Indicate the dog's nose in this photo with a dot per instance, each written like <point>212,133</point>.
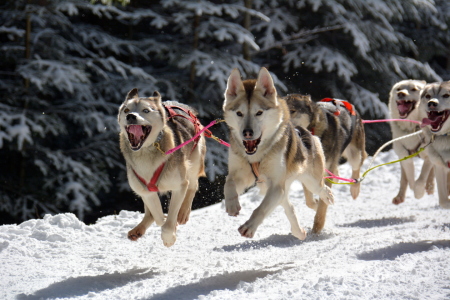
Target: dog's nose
<point>433,103</point>
<point>131,117</point>
<point>401,94</point>
<point>248,133</point>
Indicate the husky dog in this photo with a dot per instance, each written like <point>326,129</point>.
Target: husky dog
<point>267,149</point>
<point>404,99</point>
<point>340,129</point>
<point>148,128</point>
<point>435,108</point>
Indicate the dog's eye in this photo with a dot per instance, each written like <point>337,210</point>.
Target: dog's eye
<point>292,111</point>
<point>146,111</point>
<point>259,113</point>
<point>126,110</point>
<point>446,96</point>
<point>239,114</point>
<point>414,89</point>
<point>427,96</point>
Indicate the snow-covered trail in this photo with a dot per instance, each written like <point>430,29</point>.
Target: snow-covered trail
<point>369,249</point>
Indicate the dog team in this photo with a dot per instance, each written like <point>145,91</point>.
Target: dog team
<point>273,142</point>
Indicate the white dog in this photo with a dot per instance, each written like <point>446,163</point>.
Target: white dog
<point>404,100</point>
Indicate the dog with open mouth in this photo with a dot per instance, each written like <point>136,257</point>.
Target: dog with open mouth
<point>435,110</point>
<point>404,99</point>
<point>148,129</point>
<point>267,150</point>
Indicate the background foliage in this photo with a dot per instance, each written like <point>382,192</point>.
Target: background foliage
<point>65,67</point>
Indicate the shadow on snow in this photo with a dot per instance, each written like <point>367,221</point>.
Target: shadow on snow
<point>275,240</point>
<point>83,285</point>
<point>379,222</point>
<point>228,281</point>
<point>392,252</point>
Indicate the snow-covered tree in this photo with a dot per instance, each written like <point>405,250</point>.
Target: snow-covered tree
<point>61,82</point>
<point>65,67</point>
<point>347,49</point>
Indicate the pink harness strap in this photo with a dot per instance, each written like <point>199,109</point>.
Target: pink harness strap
<point>151,186</point>
<point>390,120</point>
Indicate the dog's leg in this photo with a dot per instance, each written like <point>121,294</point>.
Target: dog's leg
<point>271,200</point>
<point>152,202</point>
<point>408,165</point>
<point>400,198</point>
<point>320,217</point>
<point>422,181</point>
<point>355,158</point>
<point>289,210</point>
<point>138,231</point>
<point>186,206</point>
<point>309,198</point>
<point>315,185</point>
<point>185,210</point>
<point>168,230</point>
<point>231,196</point>
<point>442,186</point>
<point>429,187</point>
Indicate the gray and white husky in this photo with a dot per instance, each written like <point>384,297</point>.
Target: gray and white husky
<point>267,149</point>
<point>149,128</point>
<point>340,129</point>
<point>435,110</point>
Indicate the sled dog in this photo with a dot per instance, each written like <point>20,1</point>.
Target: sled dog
<point>435,110</point>
<point>267,149</point>
<point>340,129</point>
<point>404,99</point>
<point>148,128</point>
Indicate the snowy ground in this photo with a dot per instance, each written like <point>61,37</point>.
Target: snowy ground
<point>370,249</point>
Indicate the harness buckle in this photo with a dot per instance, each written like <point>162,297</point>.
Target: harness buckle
<point>158,146</point>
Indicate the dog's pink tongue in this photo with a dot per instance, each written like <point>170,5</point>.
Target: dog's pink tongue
<point>404,107</point>
<point>425,122</point>
<point>136,130</point>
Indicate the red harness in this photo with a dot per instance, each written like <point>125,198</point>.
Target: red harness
<point>151,186</point>
<point>338,103</point>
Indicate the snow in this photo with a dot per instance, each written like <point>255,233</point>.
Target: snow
<point>369,249</point>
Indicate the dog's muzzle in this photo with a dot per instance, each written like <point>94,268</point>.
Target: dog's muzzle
<point>251,145</point>
<point>137,134</point>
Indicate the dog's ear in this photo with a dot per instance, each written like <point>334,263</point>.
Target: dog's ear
<point>156,94</point>
<point>133,93</point>
<point>234,84</point>
<point>265,83</point>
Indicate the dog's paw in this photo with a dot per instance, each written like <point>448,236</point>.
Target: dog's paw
<point>246,230</point>
<point>137,232</point>
<point>299,233</point>
<point>168,236</point>
<point>232,206</point>
<point>419,190</point>
<point>183,216</point>
<point>354,190</point>
<point>326,195</point>
<point>398,200</point>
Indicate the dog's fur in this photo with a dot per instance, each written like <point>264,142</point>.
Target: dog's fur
<point>435,109</point>
<point>181,170</point>
<point>341,135</point>
<point>404,99</point>
<point>261,133</point>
